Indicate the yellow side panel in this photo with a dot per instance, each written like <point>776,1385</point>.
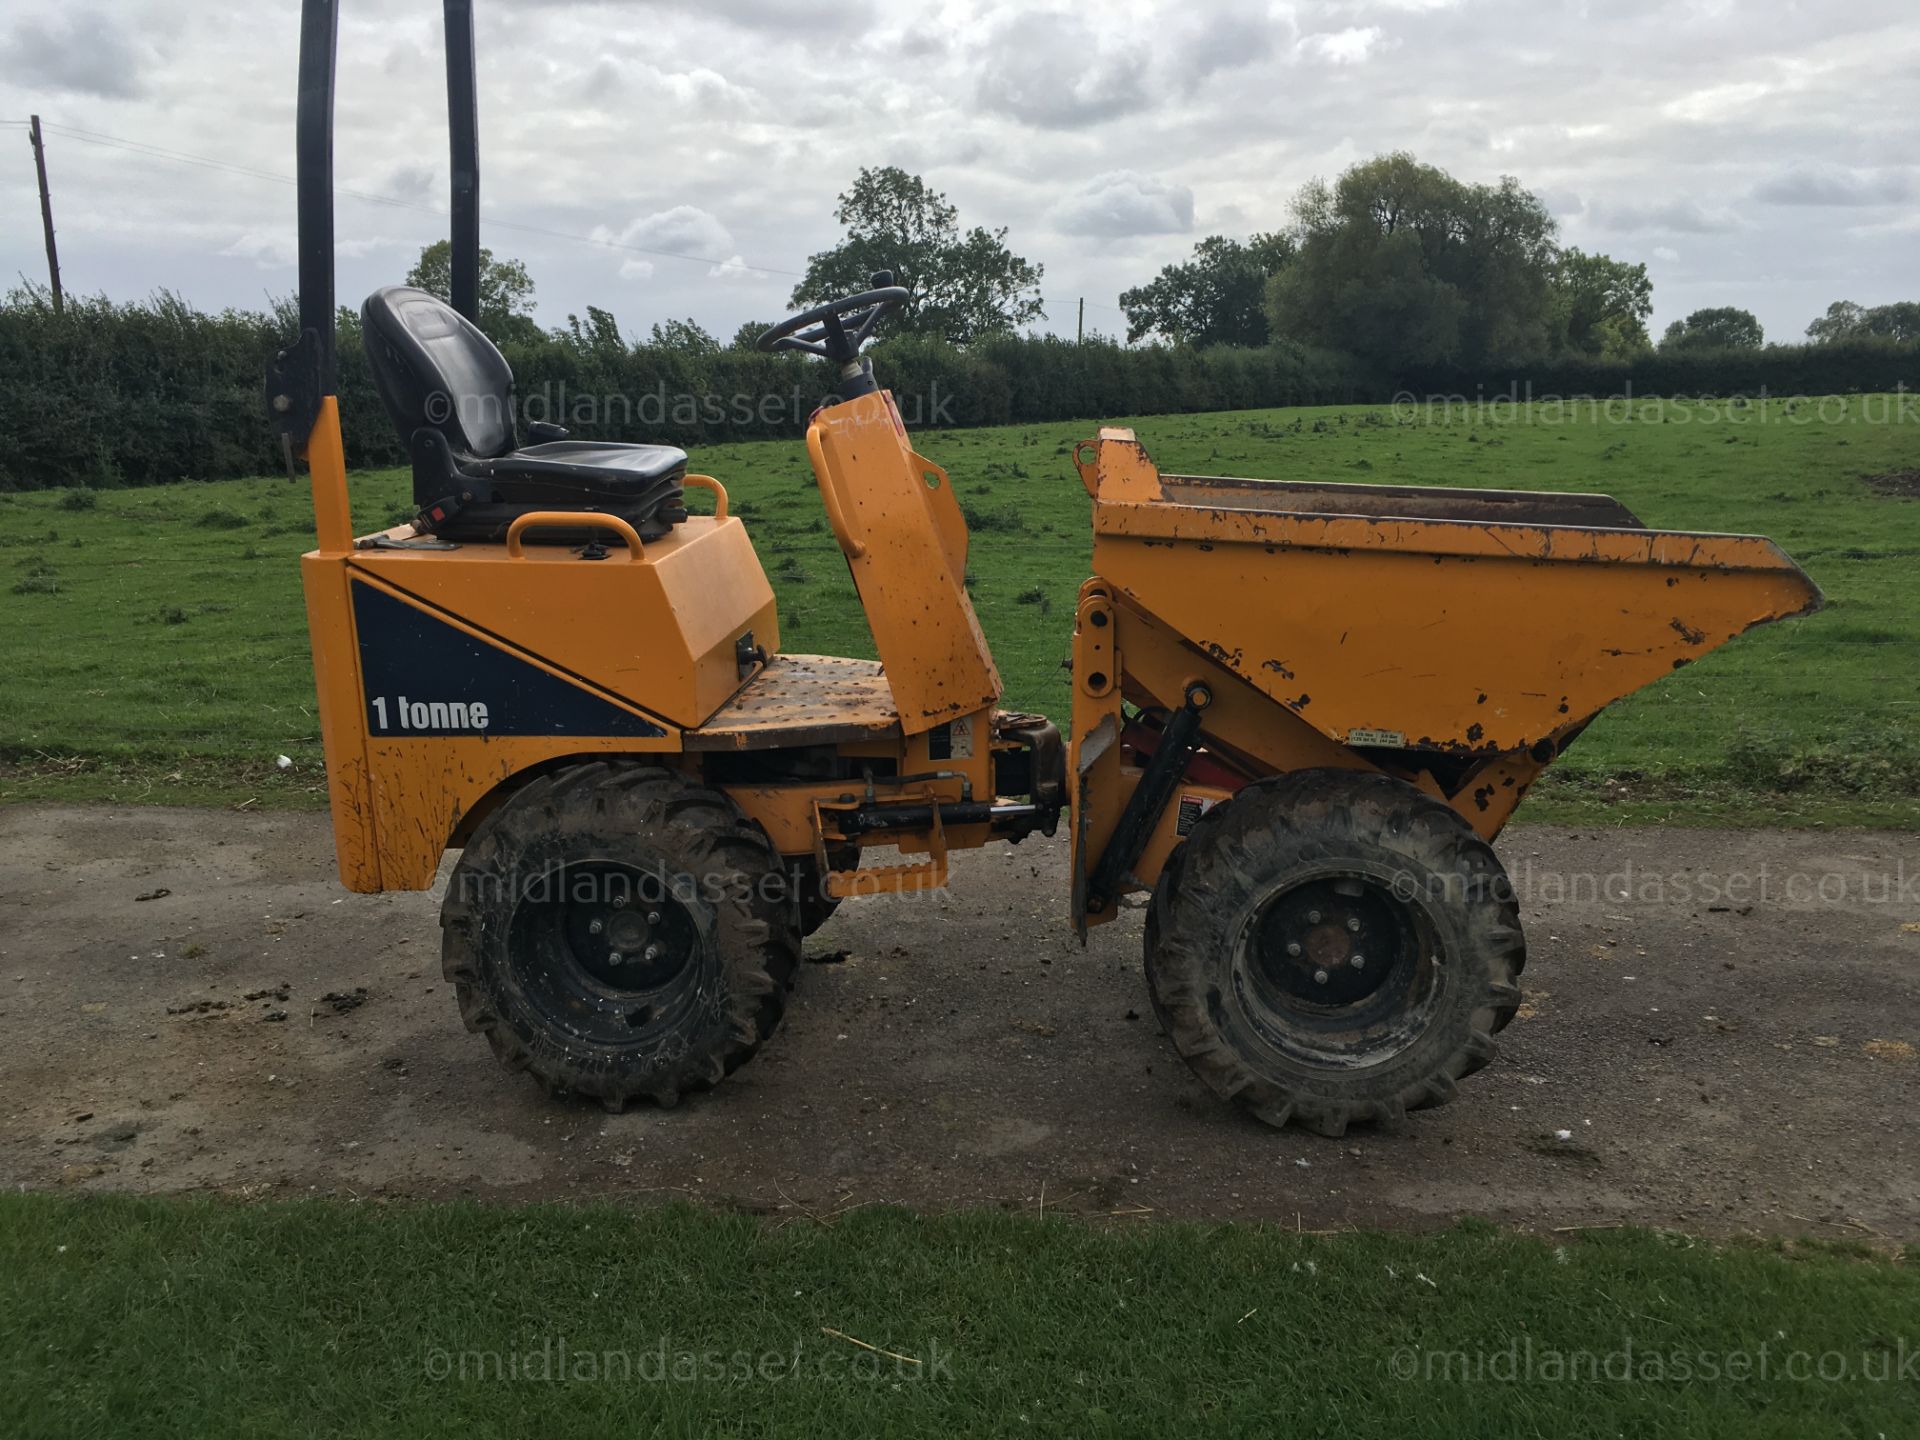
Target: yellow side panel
<point>659,630</point>
<point>1429,635</point>
<point>905,541</point>
<point>336,680</point>
<point>422,789</point>
<point>400,792</point>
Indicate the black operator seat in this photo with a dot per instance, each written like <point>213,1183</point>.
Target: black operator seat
<point>450,393</point>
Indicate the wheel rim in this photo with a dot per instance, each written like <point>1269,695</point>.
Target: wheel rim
<point>1338,968</point>
<point>611,951</point>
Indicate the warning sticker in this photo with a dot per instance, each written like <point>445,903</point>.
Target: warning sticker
<point>1384,739</point>
<point>1192,807</point>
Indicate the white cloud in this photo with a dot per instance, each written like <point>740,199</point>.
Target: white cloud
<point>1058,72</point>
<point>1718,102</point>
<point>1351,46</point>
<point>1687,217</point>
<point>735,269</point>
<point>684,230</point>
<point>1122,202</point>
<point>1814,185</point>
<point>85,51</point>
<point>268,251</point>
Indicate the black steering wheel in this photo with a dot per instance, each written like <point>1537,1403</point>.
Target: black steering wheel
<point>836,330</point>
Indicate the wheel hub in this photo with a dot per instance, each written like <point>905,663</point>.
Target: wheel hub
<point>612,947</point>
<point>622,935</point>
<point>1315,942</point>
<point>1335,969</point>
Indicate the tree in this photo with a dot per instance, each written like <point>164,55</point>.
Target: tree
<point>598,334</point>
<point>1401,264</point>
<point>688,335</point>
<point>1606,304</point>
<point>1899,322</point>
<point>962,286</point>
<point>506,290</point>
<point>1722,328</point>
<point>747,337</point>
<point>1215,298</point>
<point>1845,320</point>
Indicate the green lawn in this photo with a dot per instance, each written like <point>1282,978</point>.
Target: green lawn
<point>203,1318</point>
<point>155,644</point>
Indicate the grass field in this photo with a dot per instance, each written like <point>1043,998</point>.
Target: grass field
<point>155,644</point>
<point>204,1318</point>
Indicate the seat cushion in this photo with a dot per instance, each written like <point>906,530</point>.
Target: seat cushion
<point>598,467</point>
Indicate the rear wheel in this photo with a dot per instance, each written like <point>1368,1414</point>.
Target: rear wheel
<point>619,932</point>
<point>1333,947</point>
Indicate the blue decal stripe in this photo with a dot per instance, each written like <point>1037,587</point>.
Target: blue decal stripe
<point>424,677</point>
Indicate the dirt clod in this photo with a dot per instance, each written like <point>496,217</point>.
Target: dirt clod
<point>341,1002</point>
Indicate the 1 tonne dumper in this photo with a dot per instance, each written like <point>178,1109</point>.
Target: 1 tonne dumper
<point>1300,713</point>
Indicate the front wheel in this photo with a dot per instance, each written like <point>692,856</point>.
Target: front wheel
<point>619,932</point>
<point>1332,947</point>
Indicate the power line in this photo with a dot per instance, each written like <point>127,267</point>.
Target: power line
<point>157,152</point>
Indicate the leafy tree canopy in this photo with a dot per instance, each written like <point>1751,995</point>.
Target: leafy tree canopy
<point>1845,320</point>
<point>1402,264</point>
<point>688,335</point>
<point>506,290</point>
<point>598,334</point>
<point>1721,328</point>
<point>1604,304</point>
<point>964,286</point>
<point>748,335</point>
<point>1215,298</point>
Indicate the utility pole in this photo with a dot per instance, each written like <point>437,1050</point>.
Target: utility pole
<point>1079,326</point>
<point>46,213</point>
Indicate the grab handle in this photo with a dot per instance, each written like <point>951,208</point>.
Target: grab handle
<point>571,520</point>
<point>837,515</point>
<point>707,482</point>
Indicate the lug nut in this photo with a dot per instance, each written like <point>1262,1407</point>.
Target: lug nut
<point>653,952</point>
<point>1353,924</point>
<point>1319,977</point>
<point>594,927</point>
<point>1293,950</point>
<point>615,958</point>
<point>619,902</point>
<point>653,917</point>
<point>1313,917</point>
<point>1358,962</point>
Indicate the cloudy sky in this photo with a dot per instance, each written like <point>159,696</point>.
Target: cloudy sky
<point>1754,154</point>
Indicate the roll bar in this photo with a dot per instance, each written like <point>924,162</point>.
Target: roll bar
<point>313,148</point>
<point>306,371</point>
<point>463,134</point>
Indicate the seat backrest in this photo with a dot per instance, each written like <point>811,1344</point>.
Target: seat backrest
<point>435,370</point>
